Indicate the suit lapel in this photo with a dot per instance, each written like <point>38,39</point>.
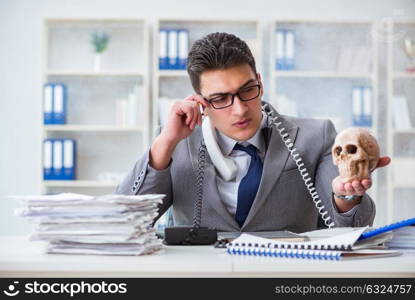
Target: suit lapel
<point>275,159</point>
<point>210,191</point>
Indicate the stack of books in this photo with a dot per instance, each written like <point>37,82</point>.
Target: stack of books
<point>403,238</point>
<point>82,224</point>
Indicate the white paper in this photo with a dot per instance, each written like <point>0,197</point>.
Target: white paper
<point>121,107</point>
<point>80,224</point>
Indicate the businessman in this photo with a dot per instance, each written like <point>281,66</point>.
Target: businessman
<point>267,191</point>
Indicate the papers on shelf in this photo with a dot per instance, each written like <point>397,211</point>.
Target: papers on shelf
<point>82,224</point>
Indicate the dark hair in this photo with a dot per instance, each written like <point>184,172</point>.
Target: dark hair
<point>215,51</point>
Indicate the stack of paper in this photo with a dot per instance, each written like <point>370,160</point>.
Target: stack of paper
<point>81,224</point>
<point>403,238</point>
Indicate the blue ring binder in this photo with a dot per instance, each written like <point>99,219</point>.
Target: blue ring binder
<point>341,246</point>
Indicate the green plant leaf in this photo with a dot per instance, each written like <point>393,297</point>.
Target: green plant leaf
<point>100,41</point>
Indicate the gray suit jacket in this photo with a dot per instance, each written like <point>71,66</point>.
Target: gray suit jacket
<point>282,201</point>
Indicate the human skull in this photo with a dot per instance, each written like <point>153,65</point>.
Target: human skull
<point>356,153</point>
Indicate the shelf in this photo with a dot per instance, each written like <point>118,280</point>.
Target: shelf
<point>404,184</point>
<point>172,73</point>
<point>95,74</point>
<point>50,128</point>
<point>79,183</point>
<point>403,75</point>
<point>93,96</point>
<point>321,74</point>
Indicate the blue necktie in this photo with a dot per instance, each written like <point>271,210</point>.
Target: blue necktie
<point>249,184</point>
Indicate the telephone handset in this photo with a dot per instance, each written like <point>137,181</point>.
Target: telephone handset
<point>224,165</point>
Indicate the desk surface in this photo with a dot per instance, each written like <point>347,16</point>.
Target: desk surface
<point>21,258</point>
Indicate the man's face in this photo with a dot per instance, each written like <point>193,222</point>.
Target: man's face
<point>241,120</point>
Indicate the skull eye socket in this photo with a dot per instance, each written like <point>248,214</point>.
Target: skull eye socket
<point>351,149</point>
<point>337,150</point>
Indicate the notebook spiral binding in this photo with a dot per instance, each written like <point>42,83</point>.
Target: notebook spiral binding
<point>286,253</point>
<point>295,246</point>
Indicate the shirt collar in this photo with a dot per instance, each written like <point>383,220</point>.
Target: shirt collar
<point>227,144</point>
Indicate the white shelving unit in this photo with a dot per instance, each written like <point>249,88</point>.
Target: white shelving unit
<point>103,146</point>
<point>85,128</point>
<point>401,142</point>
<point>319,86</point>
<point>175,84</point>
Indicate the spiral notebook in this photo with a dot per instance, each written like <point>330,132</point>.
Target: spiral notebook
<point>343,246</point>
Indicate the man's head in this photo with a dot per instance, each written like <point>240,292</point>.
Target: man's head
<point>221,64</point>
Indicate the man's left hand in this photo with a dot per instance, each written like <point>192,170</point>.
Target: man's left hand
<point>355,187</point>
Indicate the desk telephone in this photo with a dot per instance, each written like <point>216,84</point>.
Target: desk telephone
<point>226,167</point>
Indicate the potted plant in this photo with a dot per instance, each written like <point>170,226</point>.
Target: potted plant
<point>99,41</point>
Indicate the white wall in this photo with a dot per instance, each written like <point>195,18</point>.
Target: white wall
<point>21,63</point>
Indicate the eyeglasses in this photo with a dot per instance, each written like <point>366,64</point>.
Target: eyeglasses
<point>246,93</point>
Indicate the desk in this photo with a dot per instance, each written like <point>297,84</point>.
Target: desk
<point>21,258</point>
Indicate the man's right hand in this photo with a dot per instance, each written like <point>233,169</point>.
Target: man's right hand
<point>181,121</point>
